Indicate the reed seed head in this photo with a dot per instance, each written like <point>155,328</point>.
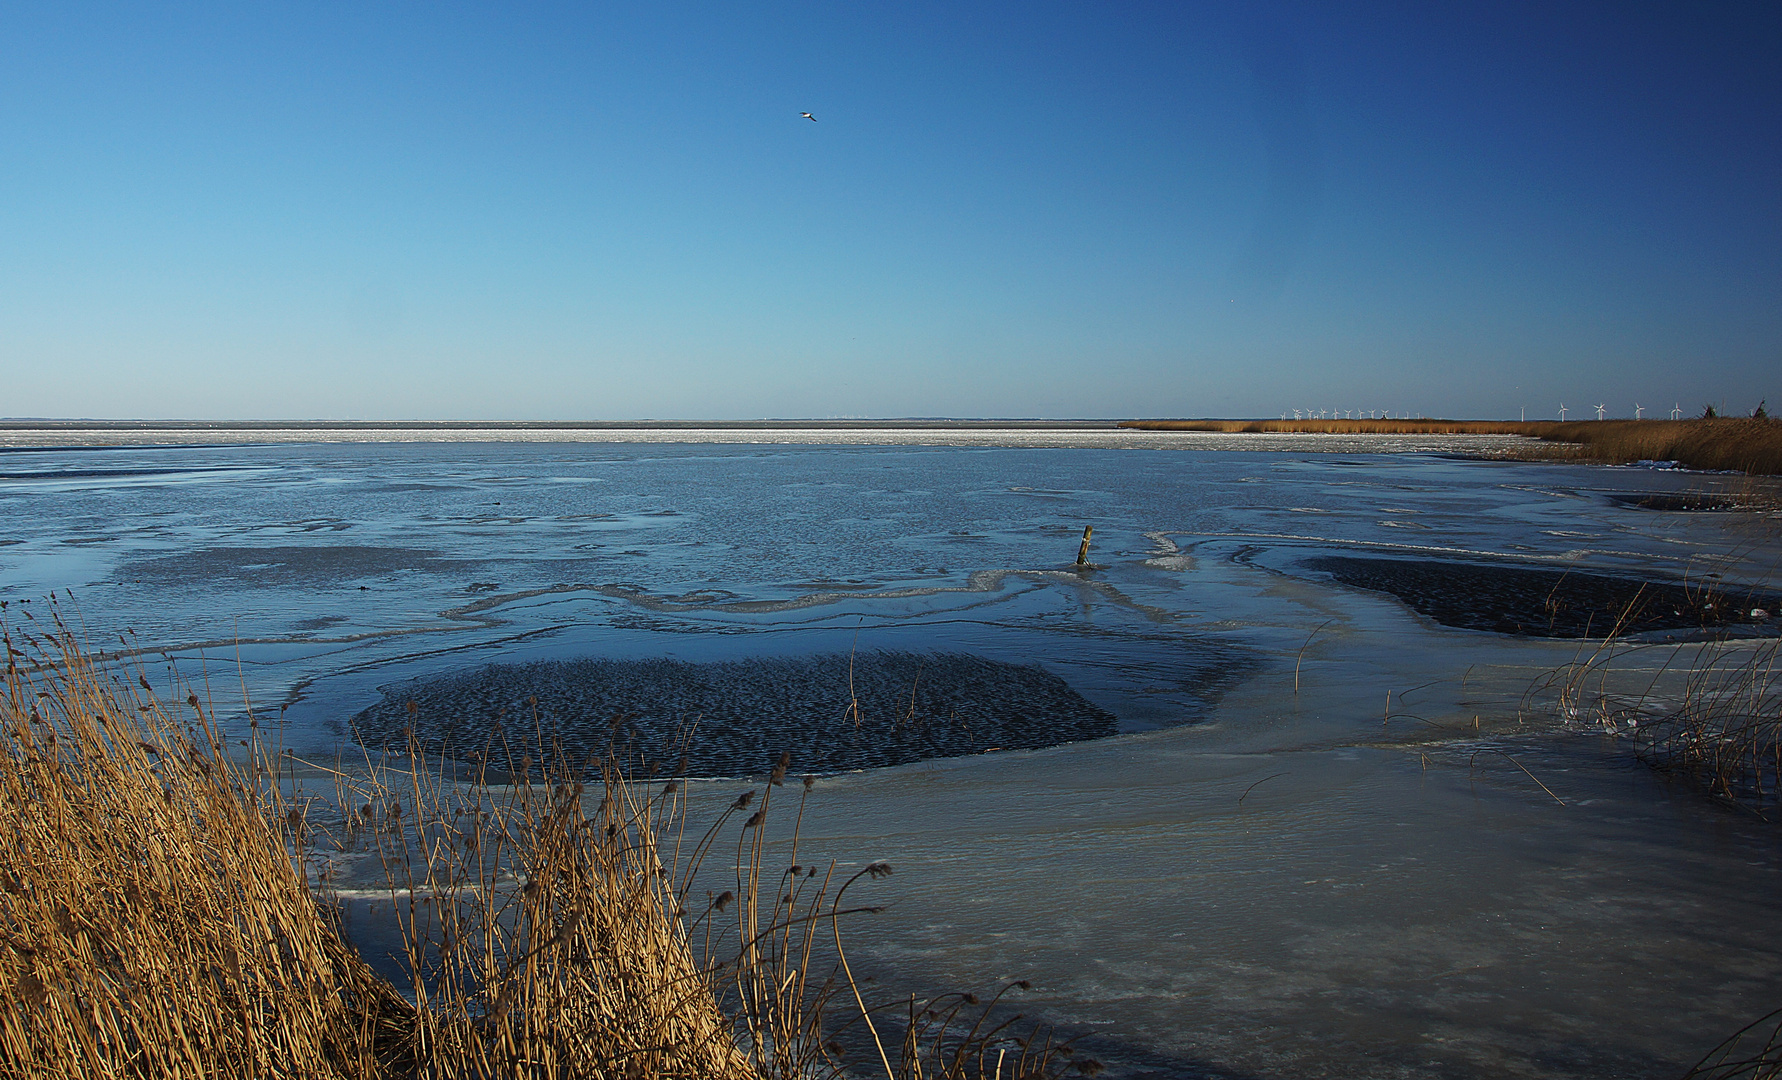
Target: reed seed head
<point>31,991</point>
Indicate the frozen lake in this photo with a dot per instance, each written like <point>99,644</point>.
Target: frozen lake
<point>1250,879</point>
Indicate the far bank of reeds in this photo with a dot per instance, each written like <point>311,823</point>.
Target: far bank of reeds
<point>1751,445</point>
<point>165,912</point>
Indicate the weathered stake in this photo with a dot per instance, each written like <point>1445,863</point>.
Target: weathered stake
<point>1083,551</point>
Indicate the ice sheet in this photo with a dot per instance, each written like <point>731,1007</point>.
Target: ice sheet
<point>1254,880</point>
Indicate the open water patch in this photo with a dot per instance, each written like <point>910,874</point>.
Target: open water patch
<point>832,712</point>
<point>1542,602</point>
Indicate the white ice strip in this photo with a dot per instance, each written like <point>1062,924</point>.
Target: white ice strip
<point>1103,438</point>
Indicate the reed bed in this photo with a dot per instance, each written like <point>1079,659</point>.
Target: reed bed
<point>167,912</point>
<point>1751,445</point>
<point>154,922</point>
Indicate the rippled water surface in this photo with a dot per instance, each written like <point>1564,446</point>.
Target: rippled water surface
<point>1277,870</point>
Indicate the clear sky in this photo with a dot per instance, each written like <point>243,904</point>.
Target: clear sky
<point>613,211</point>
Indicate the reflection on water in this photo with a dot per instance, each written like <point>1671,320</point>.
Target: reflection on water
<point>1335,838</point>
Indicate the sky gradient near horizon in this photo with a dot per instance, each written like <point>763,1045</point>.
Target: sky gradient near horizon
<point>519,212</point>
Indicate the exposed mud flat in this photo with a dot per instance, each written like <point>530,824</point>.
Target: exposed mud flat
<point>1541,602</point>
<point>734,718</point>
<point>1690,502</point>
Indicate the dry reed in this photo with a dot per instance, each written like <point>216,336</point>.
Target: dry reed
<point>1727,736</point>
<point>1754,1052</point>
<point>159,917</point>
<point>154,923</point>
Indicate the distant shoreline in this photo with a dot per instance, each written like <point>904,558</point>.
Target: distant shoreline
<point>1751,445</point>
<point>896,424</point>
<point>1747,444</point>
<point>84,435</point>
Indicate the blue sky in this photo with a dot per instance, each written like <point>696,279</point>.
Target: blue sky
<point>615,211</point>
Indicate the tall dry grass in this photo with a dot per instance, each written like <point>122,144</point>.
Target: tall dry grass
<point>1750,445</point>
<point>1727,735</point>
<point>154,922</point>
<point>1720,730</point>
<point>1754,1052</point>
<point>160,918</point>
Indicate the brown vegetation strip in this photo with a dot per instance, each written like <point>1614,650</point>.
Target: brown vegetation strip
<point>1738,444</point>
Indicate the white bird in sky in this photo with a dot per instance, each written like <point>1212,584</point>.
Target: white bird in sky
<point>808,116</point>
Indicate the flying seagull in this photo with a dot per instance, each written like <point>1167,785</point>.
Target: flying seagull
<point>808,116</point>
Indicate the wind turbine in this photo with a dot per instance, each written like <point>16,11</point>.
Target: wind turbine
<point>1639,413</point>
<point>1562,412</point>
<point>1677,411</point>
<point>1599,411</point>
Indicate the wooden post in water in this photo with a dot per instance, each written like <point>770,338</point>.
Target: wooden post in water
<point>1083,552</point>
